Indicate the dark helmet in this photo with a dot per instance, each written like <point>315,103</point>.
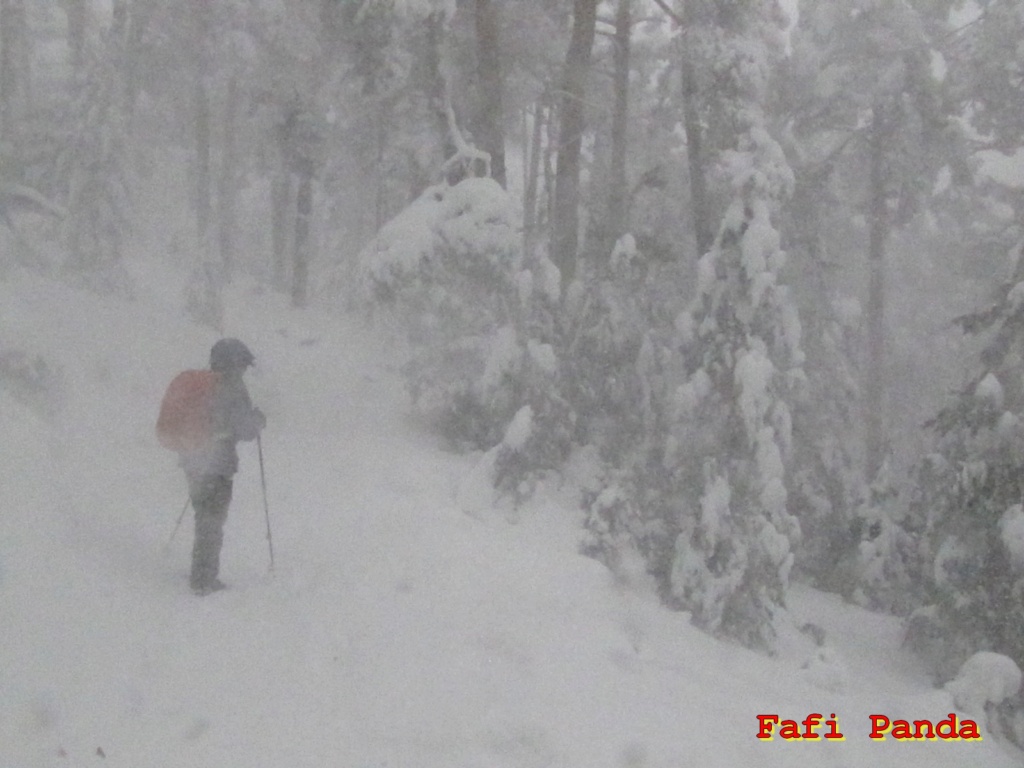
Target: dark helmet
<point>230,355</point>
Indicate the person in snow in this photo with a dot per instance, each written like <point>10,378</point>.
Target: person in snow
<point>210,470</point>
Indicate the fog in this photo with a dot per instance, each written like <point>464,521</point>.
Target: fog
<point>633,371</point>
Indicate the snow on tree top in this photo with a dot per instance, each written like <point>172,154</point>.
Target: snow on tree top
<point>504,352</point>
<point>475,217</point>
<point>625,250</point>
<point>1015,296</point>
<point>848,311</point>
<point>520,429</point>
<point>754,371</point>
<point>990,389</point>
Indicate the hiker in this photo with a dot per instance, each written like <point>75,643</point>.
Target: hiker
<point>208,455</point>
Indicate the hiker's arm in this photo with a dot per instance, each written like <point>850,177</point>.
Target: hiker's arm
<point>245,421</point>
<point>257,422</point>
<point>249,422</point>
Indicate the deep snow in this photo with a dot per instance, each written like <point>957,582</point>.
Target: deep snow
<point>398,629</point>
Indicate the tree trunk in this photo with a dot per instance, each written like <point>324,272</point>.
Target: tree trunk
<point>570,140</point>
<point>135,52</point>
<point>228,186</point>
<point>436,90</point>
<point>381,210</point>
<point>280,218</point>
<point>77,13</point>
<point>303,246</point>
<point>702,219</point>
<point>491,137</point>
<point>532,179</point>
<point>119,23</point>
<point>117,138</point>
<point>202,199</point>
<point>546,213</point>
<point>201,106</point>
<point>875,389</point>
<point>615,225</point>
<point>14,63</point>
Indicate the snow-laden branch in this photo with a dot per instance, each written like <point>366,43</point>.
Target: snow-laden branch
<point>466,155</point>
<point>20,197</point>
<point>668,10</point>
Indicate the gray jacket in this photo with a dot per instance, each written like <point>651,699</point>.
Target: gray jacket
<point>234,419</point>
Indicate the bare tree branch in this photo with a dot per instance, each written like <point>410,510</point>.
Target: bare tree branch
<point>669,12</point>
<point>465,153</point>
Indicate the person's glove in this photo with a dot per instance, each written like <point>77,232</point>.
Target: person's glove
<point>259,418</point>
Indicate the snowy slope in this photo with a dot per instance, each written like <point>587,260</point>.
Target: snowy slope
<point>396,629</point>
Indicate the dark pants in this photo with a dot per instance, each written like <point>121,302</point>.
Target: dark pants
<point>211,495</point>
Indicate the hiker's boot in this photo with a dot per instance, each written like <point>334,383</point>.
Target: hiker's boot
<point>208,587</point>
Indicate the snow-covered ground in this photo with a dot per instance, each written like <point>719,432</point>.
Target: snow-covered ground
<point>397,629</point>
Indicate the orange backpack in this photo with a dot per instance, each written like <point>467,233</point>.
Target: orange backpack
<point>186,413</point>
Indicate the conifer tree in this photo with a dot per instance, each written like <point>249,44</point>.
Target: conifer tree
<point>707,502</point>
<point>970,492</point>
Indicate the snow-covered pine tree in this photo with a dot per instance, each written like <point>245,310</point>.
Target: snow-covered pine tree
<point>620,359</point>
<point>826,485</point>
<point>969,499</point>
<point>448,275</point>
<point>870,132</point>
<point>730,437</point>
<point>607,316</point>
<point>970,488</point>
<point>95,163</point>
<point>705,498</point>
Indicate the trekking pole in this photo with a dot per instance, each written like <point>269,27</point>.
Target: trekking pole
<point>177,525</point>
<point>266,509</point>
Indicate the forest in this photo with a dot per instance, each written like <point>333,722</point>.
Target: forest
<point>759,263</point>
